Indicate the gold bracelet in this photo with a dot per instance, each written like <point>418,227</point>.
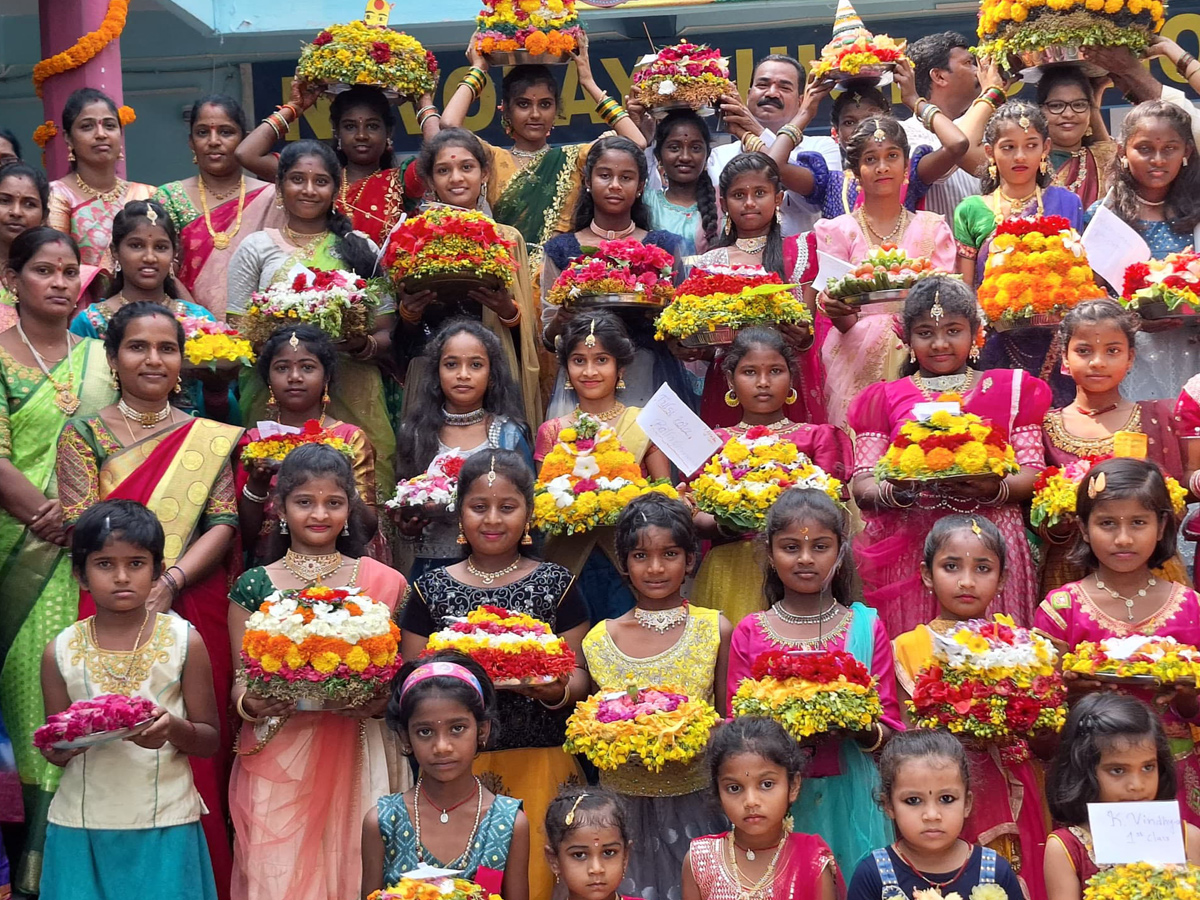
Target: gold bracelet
<point>752,143</point>
<point>241,711</point>
<point>878,741</point>
<point>511,323</point>
<point>410,317</point>
<point>566,698</point>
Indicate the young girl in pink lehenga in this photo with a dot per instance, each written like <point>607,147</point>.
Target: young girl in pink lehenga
<point>940,322</point>
<point>756,774</point>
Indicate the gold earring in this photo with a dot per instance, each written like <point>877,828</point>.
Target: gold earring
<point>778,216</point>
<point>912,356</point>
<point>727,225</point>
<point>461,540</point>
<point>974,354</point>
<point>527,540</point>
<point>271,403</point>
<point>731,399</point>
<point>792,397</point>
<point>178,386</point>
<point>620,384</point>
<point>70,154</point>
<point>567,386</point>
<point>278,200</point>
<point>993,172</point>
<point>324,401</point>
<point>194,160</point>
<point>1045,167</point>
<point>116,382</point>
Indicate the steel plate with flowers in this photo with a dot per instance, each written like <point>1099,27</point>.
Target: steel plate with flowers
<point>616,273</point>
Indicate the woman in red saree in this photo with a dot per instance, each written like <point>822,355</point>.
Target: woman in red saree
<point>143,449</point>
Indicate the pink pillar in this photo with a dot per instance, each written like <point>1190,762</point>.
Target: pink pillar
<point>63,22</point>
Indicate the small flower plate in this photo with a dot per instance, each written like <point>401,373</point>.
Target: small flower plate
<point>103,737</point>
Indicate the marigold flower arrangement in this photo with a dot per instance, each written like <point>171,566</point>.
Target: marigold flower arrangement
<point>693,75</point>
<point>211,343</point>
<point>649,726</point>
<point>436,486</point>
<point>946,445</point>
<point>809,692</point>
<point>1036,267</point>
<point>446,241</point>
<point>617,267</point>
<point>513,648</point>
<point>1172,282</point>
<point>746,476</point>
<point>587,479</point>
<point>1144,881</point>
<point>859,54</point>
<point>1019,26</point>
<point>887,268</point>
<point>991,681</point>
<point>97,715</point>
<point>358,53</point>
<point>338,302</point>
<point>1162,658</point>
<point>536,26</point>
<point>274,449</point>
<point>433,889</point>
<point>728,298</point>
<point>320,643</point>
<point>1056,489</point>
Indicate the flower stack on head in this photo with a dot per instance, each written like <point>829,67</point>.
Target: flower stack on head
<point>444,888</point>
<point>947,445</point>
<point>331,645</point>
<point>444,242</point>
<point>712,304</point>
<point>810,692</point>
<point>1038,32</point>
<point>746,476</point>
<point>509,32</point>
<point>1144,881</point>
<point>649,727</point>
<point>436,487</point>
<point>342,56</point>
<point>619,272</point>
<point>338,302</point>
<point>275,448</point>
<point>101,715</point>
<point>854,52</point>
<point>1036,270</point>
<point>991,682</point>
<point>1056,489</point>
<point>587,479</point>
<point>1135,658</point>
<point>887,268</point>
<point>214,345</point>
<point>1164,287</point>
<point>512,648</point>
<point>683,76</point>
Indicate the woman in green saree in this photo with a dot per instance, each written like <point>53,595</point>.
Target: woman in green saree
<point>318,236</point>
<point>46,376</point>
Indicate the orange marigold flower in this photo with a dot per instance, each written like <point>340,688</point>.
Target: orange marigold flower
<point>537,43</point>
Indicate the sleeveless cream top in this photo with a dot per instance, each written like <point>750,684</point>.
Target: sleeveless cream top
<point>120,785</point>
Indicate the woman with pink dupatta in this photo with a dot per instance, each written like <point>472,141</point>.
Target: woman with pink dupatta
<point>859,345</point>
<point>941,319</point>
<point>219,206</point>
<point>303,781</point>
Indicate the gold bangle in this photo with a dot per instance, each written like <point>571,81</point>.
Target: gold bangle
<point>752,143</point>
<point>511,323</point>
<point>410,317</point>
<point>241,710</point>
<point>878,741</point>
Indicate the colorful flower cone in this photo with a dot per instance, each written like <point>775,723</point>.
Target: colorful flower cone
<point>1164,287</point>
<point>512,32</point>
<point>433,889</point>
<point>342,56</point>
<point>512,648</point>
<point>854,52</point>
<point>683,76</point>
<point>1144,881</point>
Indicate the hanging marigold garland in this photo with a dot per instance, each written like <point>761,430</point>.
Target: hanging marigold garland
<point>82,51</point>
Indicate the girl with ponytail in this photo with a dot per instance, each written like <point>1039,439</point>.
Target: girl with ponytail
<point>687,204</point>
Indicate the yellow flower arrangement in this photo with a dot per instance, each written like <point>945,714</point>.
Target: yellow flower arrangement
<point>946,445</point>
<point>648,726</point>
<point>587,479</point>
<point>1162,658</point>
<point>513,648</point>
<point>537,26</point>
<point>731,298</point>
<point>84,49</point>
<point>211,343</point>
<point>433,889</point>
<point>1028,25</point>
<point>1056,490</point>
<point>358,53</point>
<point>275,449</point>
<point>1144,881</point>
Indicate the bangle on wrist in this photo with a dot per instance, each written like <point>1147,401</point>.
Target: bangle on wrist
<point>182,575</point>
<point>794,134</point>
<point>369,349</point>
<point>241,711</point>
<point>253,497</point>
<point>752,143</point>
<point>878,740</point>
<point>408,316</point>
<point>566,698</point>
<point>1184,61</point>
<point>514,320</point>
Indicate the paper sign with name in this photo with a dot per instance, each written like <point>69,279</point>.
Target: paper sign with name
<point>1139,831</point>
<point>268,429</point>
<point>677,431</point>
<point>1112,246</point>
<point>925,411</point>
<point>830,269</point>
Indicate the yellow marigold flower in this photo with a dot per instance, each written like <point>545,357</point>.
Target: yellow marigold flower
<point>324,662</point>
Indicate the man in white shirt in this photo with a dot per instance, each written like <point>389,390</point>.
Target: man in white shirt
<point>947,75</point>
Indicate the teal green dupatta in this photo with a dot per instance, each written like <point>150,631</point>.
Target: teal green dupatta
<point>533,198</point>
<point>41,597</point>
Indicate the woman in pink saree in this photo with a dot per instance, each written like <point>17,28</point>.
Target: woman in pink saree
<point>303,781</point>
<point>860,345</point>
<point>940,322</point>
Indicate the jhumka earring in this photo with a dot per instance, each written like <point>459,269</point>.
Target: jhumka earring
<point>620,384</point>
<point>727,225</point>
<point>178,389</point>
<point>70,154</point>
<point>115,381</point>
<point>283,529</point>
<point>194,160</point>
<point>346,529</point>
<point>1045,166</point>
<point>912,356</point>
<point>567,386</point>
<point>527,540</point>
<point>993,172</point>
<point>271,402</point>
<point>461,540</point>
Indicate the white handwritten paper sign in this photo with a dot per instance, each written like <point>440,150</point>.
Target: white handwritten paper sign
<point>830,269</point>
<point>1143,831</point>
<point>677,431</point>
<point>1112,246</point>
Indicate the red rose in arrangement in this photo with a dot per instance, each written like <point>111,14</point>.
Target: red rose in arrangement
<point>322,39</point>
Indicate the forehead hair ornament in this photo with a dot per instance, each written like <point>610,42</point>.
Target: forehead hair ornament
<point>294,342</point>
<point>975,528</point>
<point>880,135</point>
<point>151,215</point>
<point>1097,485</point>
<point>1024,123</point>
<point>491,475</point>
<point>937,310</point>
<point>570,817</point>
<point>590,340</point>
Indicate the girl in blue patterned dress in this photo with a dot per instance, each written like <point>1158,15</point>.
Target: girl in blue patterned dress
<point>443,707</point>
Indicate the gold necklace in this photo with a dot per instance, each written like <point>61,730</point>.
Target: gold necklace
<point>751,246</point>
<point>488,577</point>
<point>873,235</point>
<point>223,195</point>
<point>607,416</point>
<point>221,239</point>
<point>147,419</point>
<point>780,425</point>
<point>64,395</point>
<point>1128,601</point>
<point>121,678</point>
<point>757,889</point>
<point>113,193</point>
<point>312,569</point>
<point>304,241</point>
<point>612,235</point>
<point>1013,205</point>
<point>944,383</point>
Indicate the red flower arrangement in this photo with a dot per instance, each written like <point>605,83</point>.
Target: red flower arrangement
<point>276,448</point>
<point>694,75</point>
<point>820,668</point>
<point>512,648</point>
<point>617,267</point>
<point>1172,283</point>
<point>108,712</point>
<point>446,241</point>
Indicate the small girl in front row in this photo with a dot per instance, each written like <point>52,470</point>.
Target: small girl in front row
<point>927,793</point>
<point>443,708</point>
<point>964,569</point>
<point>755,770</point>
<point>587,842</point>
<point>1113,750</point>
<point>125,821</point>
